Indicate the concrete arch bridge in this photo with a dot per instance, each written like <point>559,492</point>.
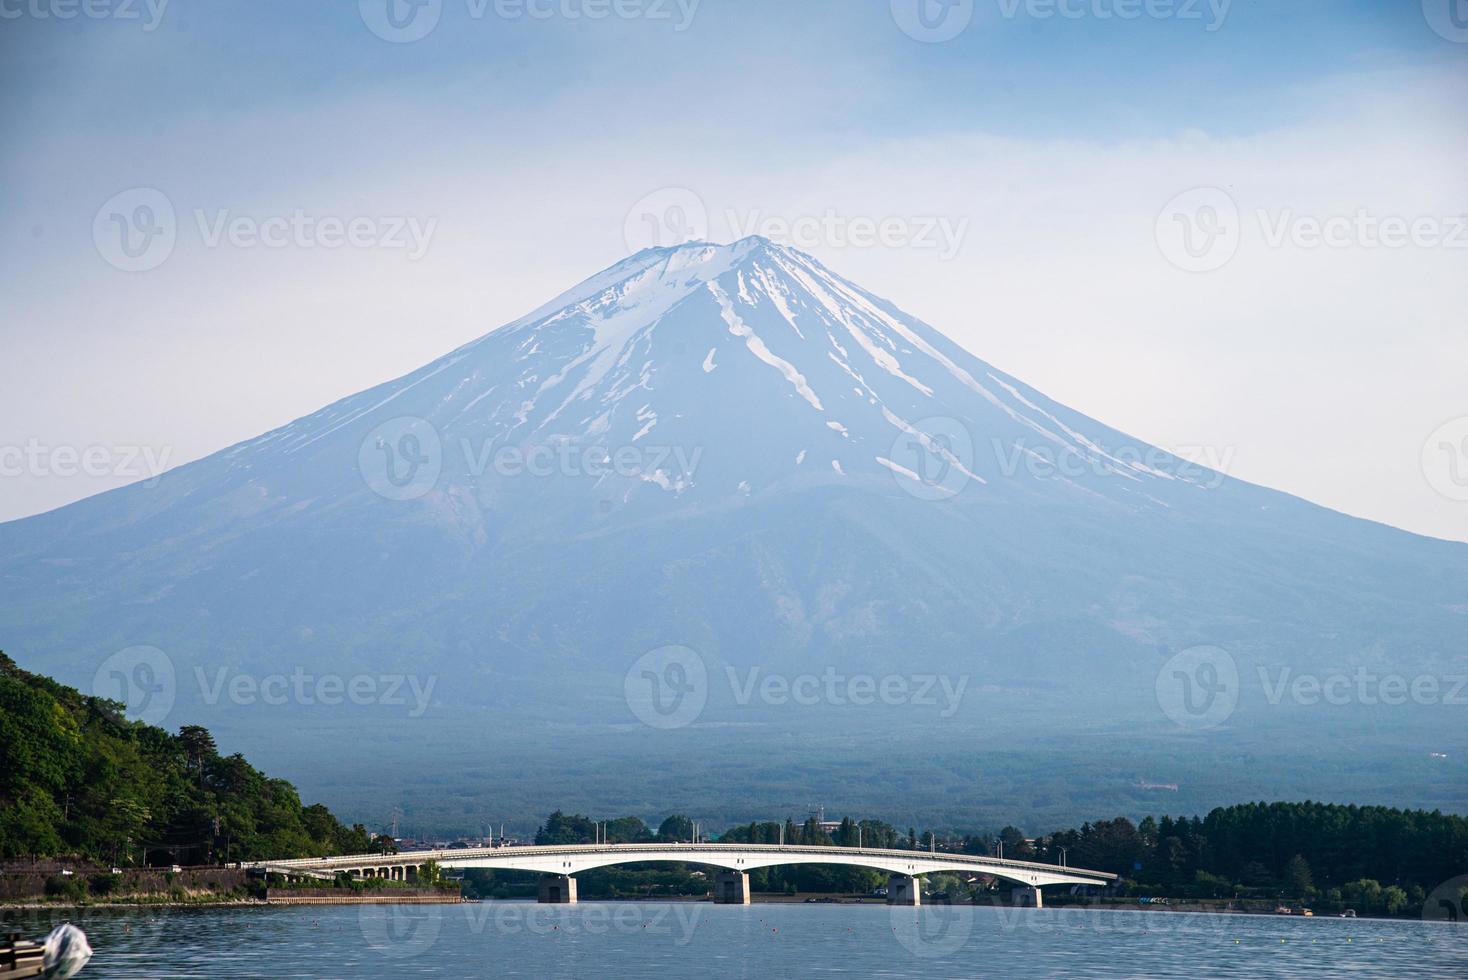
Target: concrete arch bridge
<point>561,864</point>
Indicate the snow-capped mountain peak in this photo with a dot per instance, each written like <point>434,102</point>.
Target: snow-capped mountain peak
<point>673,344</point>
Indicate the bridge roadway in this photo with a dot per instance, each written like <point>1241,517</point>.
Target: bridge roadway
<point>560,864</point>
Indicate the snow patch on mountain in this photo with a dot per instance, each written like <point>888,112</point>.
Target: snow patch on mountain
<point>757,347</point>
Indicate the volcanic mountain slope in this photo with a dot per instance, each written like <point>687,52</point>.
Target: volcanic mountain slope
<point>733,448</point>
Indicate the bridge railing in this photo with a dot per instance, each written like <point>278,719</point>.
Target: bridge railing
<point>534,850</point>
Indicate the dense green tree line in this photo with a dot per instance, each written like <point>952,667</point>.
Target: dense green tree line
<point>78,779</point>
<point>1373,859</point>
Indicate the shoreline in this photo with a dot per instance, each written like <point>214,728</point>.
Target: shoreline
<point>757,899</point>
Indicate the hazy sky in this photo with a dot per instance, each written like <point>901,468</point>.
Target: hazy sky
<point>1228,227</point>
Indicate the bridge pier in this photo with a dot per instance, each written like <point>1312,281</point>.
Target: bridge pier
<point>904,890</point>
<point>557,890</point>
<point>1031,897</point>
<point>731,888</point>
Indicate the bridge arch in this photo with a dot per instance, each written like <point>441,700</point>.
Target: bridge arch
<point>733,861</point>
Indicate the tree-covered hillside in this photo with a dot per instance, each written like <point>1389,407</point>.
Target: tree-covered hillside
<point>79,779</point>
<point>1297,849</point>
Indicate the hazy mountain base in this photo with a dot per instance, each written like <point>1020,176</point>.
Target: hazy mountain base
<point>1058,720</point>
<point>464,775</point>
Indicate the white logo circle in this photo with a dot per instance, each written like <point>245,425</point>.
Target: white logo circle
<point>135,230</point>
<point>1198,230</point>
<point>1447,902</point>
<point>400,932</point>
<point>1445,459</point>
<point>932,931</point>
<point>667,217</point>
<point>1199,688</point>
<point>142,678</point>
<point>400,21</point>
<point>1448,19</point>
<point>667,688</point>
<point>932,21</point>
<point>401,459</point>
<point>936,458</point>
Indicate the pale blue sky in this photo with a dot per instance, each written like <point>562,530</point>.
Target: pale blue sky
<point>1055,140</point>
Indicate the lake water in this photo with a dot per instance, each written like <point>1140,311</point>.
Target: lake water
<point>634,940</point>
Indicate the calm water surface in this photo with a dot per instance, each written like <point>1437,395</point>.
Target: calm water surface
<point>634,940</point>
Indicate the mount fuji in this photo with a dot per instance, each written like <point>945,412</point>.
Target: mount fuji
<point>733,449</point>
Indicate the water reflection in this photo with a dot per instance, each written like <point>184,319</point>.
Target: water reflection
<point>635,940</point>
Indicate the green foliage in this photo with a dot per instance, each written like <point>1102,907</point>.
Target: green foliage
<point>1298,877</point>
<point>562,829</point>
<point>1015,846</point>
<point>103,885</point>
<point>676,828</point>
<point>626,830</point>
<point>1296,851</point>
<point>77,778</point>
<point>68,888</point>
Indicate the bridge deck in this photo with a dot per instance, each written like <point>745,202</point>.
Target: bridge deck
<point>573,858</point>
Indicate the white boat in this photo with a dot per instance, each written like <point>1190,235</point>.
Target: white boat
<point>60,955</point>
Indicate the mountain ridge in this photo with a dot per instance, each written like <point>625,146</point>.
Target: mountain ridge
<point>807,477</point>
